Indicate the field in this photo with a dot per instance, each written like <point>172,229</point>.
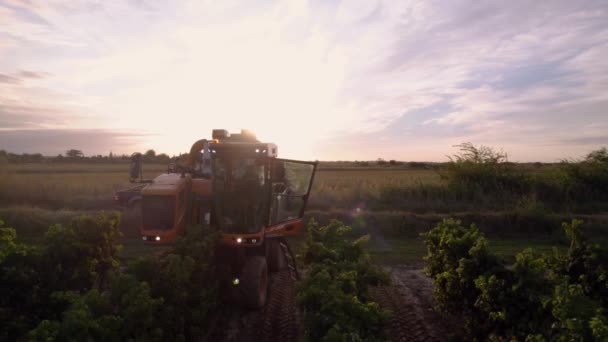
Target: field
<point>516,209</point>
<point>34,196</point>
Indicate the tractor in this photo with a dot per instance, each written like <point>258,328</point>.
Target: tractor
<point>239,186</point>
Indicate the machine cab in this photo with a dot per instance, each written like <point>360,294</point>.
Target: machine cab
<point>255,193</point>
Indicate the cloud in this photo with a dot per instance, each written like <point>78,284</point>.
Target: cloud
<point>595,140</point>
<point>23,116</point>
<point>56,141</point>
<point>313,76</point>
<point>32,74</point>
<point>8,79</point>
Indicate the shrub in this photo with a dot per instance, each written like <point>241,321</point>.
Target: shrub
<point>70,287</point>
<point>589,175</point>
<point>477,170</point>
<point>334,295</point>
<point>456,256</point>
<point>77,257</point>
<point>559,297</point>
<point>83,253</point>
<point>124,312</point>
<point>185,279</point>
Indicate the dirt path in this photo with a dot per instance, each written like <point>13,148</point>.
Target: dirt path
<point>410,300</point>
<point>278,321</point>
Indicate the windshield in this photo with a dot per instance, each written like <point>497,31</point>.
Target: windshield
<point>158,212</point>
<point>239,186</point>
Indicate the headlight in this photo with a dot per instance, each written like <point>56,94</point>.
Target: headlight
<point>157,238</point>
<point>239,240</point>
<point>236,281</point>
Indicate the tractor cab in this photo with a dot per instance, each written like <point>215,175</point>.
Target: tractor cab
<point>254,192</point>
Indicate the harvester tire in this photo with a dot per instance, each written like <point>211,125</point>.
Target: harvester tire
<point>276,257</point>
<point>254,282</point>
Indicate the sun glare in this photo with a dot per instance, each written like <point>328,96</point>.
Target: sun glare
<point>282,90</point>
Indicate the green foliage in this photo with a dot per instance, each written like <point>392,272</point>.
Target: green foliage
<point>125,312</point>
<point>70,287</point>
<point>480,170</point>
<point>84,252</point>
<point>18,308</point>
<point>8,244</point>
<point>77,257</point>
<point>335,295</point>
<point>514,301</point>
<point>456,256</point>
<point>584,264</point>
<point>185,279</point>
<point>554,297</point>
<point>589,174</point>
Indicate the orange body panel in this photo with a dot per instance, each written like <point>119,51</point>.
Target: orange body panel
<point>168,185</point>
<point>287,228</point>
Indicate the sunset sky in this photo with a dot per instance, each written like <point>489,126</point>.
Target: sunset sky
<point>328,80</point>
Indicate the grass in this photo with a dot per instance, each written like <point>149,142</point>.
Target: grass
<point>393,204</point>
<point>365,188</point>
<point>91,186</point>
<point>134,248</point>
<point>65,186</point>
<point>396,251</point>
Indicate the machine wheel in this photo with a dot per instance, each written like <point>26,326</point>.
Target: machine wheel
<point>276,257</point>
<point>254,282</point>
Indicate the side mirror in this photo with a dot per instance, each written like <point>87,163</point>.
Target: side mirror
<point>136,167</point>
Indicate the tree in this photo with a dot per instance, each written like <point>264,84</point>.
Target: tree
<point>72,153</point>
<point>150,154</point>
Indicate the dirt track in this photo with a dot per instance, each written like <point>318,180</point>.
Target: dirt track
<point>410,301</point>
<point>277,321</point>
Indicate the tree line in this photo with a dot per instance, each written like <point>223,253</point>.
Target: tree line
<point>75,155</point>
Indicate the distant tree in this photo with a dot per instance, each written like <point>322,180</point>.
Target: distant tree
<point>150,154</point>
<point>163,158</point>
<point>381,161</point>
<point>470,153</point>
<point>392,162</point>
<point>598,156</point>
<point>72,153</point>
<point>416,165</point>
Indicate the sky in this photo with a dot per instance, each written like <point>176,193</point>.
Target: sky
<point>326,80</point>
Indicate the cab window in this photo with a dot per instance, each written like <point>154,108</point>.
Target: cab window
<point>291,182</point>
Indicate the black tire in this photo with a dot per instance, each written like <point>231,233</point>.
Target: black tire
<point>254,282</point>
<point>276,257</point>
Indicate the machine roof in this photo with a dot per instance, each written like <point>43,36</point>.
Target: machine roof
<point>165,184</point>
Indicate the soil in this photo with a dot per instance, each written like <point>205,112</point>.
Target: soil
<point>413,315</point>
<point>409,299</point>
<point>279,320</point>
